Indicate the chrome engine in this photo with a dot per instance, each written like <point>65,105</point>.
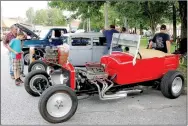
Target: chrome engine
<point>51,54</point>
<point>96,76</point>
<point>92,72</point>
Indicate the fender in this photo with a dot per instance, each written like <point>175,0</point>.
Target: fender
<point>70,69</point>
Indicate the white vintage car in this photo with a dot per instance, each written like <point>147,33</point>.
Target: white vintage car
<point>84,47</point>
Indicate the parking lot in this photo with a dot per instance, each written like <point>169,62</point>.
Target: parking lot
<point>148,108</point>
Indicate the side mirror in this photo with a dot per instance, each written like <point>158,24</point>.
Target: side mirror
<point>49,37</point>
<point>50,40</point>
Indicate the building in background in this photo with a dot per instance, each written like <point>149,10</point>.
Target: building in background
<point>8,22</point>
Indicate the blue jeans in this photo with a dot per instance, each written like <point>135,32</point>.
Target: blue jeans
<point>10,64</point>
<point>106,51</point>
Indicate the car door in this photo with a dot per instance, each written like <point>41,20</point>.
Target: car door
<point>80,50</point>
<point>148,68</point>
<point>99,44</point>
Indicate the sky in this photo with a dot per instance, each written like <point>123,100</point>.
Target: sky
<point>19,8</point>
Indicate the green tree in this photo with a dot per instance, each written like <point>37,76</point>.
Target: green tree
<point>50,17</point>
<point>82,9</point>
<point>30,14</point>
<point>143,13</point>
<point>55,17</point>
<point>41,17</point>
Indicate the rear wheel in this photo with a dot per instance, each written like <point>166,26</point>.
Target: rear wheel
<point>26,57</point>
<point>58,104</point>
<point>37,82</point>
<point>37,65</point>
<point>172,84</point>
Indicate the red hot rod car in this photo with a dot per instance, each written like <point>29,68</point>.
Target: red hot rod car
<point>117,73</point>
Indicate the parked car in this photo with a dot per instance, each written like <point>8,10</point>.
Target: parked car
<point>114,77</point>
<point>43,40</point>
<point>84,47</point>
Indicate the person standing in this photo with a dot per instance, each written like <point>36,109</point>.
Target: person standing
<point>161,40</point>
<point>11,35</point>
<point>16,56</point>
<point>108,34</point>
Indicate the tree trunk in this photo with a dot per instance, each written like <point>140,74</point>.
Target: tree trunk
<point>84,22</point>
<point>135,30</point>
<point>89,25</point>
<point>153,29</point>
<point>141,29</point>
<point>125,23</point>
<point>174,24</point>
<point>106,14</point>
<point>183,17</point>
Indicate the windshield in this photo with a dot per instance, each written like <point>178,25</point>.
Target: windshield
<point>128,43</point>
<point>43,33</point>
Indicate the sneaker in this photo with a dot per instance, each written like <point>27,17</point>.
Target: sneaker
<point>20,80</point>
<point>12,76</point>
<point>17,82</point>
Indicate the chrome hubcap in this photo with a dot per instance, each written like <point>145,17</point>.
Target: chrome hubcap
<point>40,85</point>
<point>38,67</point>
<point>59,104</point>
<point>26,58</point>
<point>177,85</point>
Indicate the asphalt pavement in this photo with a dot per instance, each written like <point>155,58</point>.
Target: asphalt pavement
<point>148,108</point>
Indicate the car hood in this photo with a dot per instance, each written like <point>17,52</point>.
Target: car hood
<point>27,31</point>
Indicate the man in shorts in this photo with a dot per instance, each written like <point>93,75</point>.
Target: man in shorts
<point>16,56</point>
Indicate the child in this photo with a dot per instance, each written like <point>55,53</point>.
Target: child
<point>15,48</point>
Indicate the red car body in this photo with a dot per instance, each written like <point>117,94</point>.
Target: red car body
<point>144,69</point>
<point>121,63</point>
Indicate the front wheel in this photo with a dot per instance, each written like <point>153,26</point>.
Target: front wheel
<point>37,65</point>
<point>172,84</point>
<point>37,82</point>
<point>58,104</point>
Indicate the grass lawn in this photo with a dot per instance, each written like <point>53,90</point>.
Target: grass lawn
<point>182,68</point>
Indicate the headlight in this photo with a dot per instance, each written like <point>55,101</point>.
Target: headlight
<point>63,79</point>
